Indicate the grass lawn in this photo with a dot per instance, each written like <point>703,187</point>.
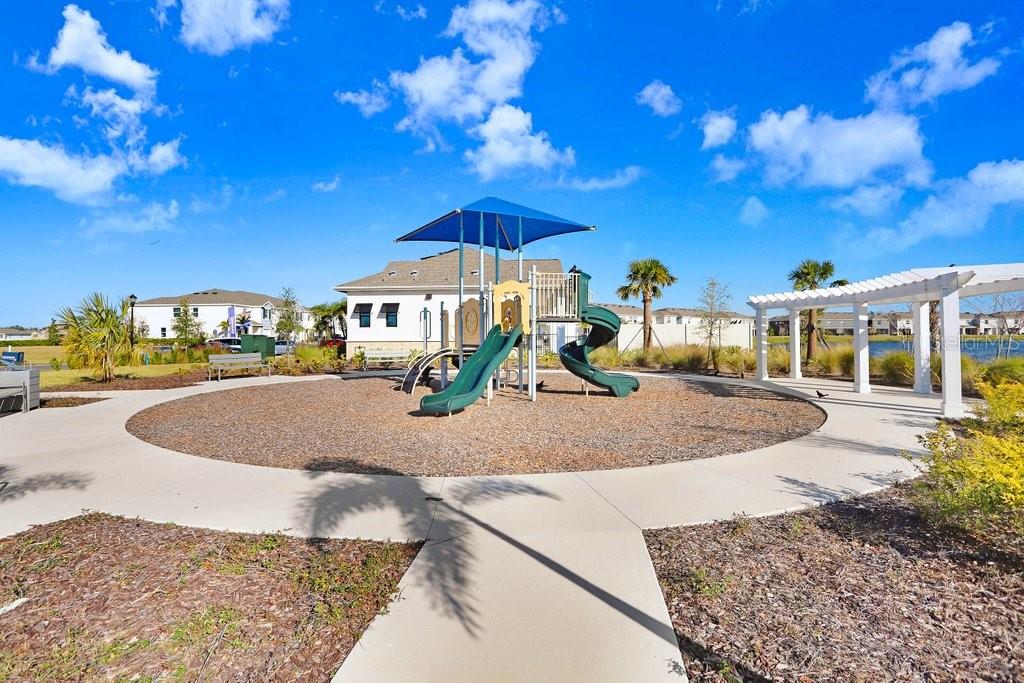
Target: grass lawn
<point>38,354</point>
<point>60,378</point>
<point>115,599</point>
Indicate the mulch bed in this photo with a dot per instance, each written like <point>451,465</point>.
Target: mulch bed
<point>68,401</point>
<point>110,598</point>
<point>862,590</point>
<point>123,383</point>
<point>368,426</point>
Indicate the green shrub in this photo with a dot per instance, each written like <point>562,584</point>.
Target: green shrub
<point>737,360</point>
<point>55,363</point>
<point>687,357</point>
<point>836,360</point>
<point>971,372</point>
<point>1005,370</point>
<point>778,360</point>
<point>975,479</point>
<point>897,368</point>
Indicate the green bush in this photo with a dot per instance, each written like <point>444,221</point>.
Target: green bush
<point>836,360</point>
<point>1005,370</point>
<point>975,478</point>
<point>897,368</point>
<point>971,372</point>
<point>687,357</point>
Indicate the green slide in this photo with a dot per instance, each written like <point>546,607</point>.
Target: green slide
<point>471,382</point>
<point>604,325</point>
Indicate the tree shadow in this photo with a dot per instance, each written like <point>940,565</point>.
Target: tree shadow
<point>820,493</point>
<point>445,561</point>
<point>12,489</point>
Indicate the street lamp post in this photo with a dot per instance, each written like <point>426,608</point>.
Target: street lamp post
<point>131,330</point>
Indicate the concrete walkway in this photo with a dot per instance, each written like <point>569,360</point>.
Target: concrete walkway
<point>533,577</point>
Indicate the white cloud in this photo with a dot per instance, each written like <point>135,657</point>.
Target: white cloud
<point>935,67</point>
<point>73,178</point>
<point>160,11</point>
<point>218,26</point>
<point>327,185</point>
<point>510,144</point>
<point>163,156</point>
<point>82,43</point>
<point>369,102</point>
<point>275,195</point>
<point>869,200</point>
<point>660,98</point>
<point>621,178</point>
<point>961,206</point>
<point>753,212</point>
<point>217,202</point>
<point>152,218</point>
<point>718,127</point>
<point>822,151</point>
<point>418,12</point>
<point>727,168</point>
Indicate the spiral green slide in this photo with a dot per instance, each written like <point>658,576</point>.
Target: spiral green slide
<point>604,326</point>
<point>471,382</point>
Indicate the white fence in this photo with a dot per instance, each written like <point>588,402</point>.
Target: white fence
<point>738,333</point>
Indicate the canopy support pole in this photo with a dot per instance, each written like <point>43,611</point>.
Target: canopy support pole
<point>952,392</point>
<point>761,327</point>
<point>483,316</point>
<point>497,252</point>
<point>533,336</point>
<point>522,346</point>
<point>861,355</point>
<point>794,344</point>
<point>921,329</point>
<point>520,248</point>
<point>462,294</point>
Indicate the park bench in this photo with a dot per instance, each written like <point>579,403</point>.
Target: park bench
<point>20,384</point>
<point>235,361</point>
<point>384,356</point>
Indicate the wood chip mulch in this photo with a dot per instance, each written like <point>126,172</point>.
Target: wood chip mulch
<point>367,425</point>
<point>108,598</point>
<point>862,590</point>
<point>68,401</point>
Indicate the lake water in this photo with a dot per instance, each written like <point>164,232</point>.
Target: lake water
<point>979,349</point>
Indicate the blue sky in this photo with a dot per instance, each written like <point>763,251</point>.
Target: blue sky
<point>161,147</point>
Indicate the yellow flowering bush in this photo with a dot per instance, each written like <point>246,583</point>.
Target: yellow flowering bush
<point>974,477</point>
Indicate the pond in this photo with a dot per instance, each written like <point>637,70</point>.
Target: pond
<point>983,350</point>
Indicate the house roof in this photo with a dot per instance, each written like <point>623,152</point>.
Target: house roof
<point>14,330</point>
<point>694,313</point>
<point>622,309</point>
<point>442,270</point>
<point>214,297</point>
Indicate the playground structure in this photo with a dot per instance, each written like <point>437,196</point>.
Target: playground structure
<point>504,318</point>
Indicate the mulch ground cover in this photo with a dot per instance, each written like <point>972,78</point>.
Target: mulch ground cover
<point>862,590</point>
<point>367,425</point>
<point>108,598</point>
<point>122,383</point>
<point>68,401</point>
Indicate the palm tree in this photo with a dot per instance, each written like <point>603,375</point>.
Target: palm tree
<point>644,280</point>
<point>811,274</point>
<point>328,316</point>
<point>98,335</point>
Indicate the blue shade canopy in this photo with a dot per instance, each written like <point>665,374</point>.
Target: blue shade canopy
<point>501,225</point>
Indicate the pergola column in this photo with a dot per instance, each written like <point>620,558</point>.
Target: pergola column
<point>952,393</point>
<point>761,323</point>
<point>794,343</point>
<point>921,330</point>
<point>861,356</point>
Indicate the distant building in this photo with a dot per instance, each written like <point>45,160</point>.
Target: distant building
<point>211,307</point>
<point>681,326</point>
<point>14,334</point>
<point>898,323</point>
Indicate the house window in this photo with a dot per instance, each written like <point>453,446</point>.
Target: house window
<point>176,312</point>
<point>195,311</point>
<point>363,311</point>
<point>391,315</point>
<point>163,332</point>
<point>266,313</point>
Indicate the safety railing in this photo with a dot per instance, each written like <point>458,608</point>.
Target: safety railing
<point>556,296</point>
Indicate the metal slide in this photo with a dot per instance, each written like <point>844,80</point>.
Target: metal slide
<point>421,365</point>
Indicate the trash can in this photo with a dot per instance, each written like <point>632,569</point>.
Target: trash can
<point>252,343</point>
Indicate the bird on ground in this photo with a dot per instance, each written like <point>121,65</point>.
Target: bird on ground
<point>540,385</point>
<point>820,394</point>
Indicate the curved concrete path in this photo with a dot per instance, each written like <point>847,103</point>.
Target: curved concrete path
<point>532,577</point>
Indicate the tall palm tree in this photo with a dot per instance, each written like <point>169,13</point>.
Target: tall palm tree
<point>97,335</point>
<point>811,274</point>
<point>329,316</point>
<point>644,280</point>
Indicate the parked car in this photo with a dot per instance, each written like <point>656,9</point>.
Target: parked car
<point>232,344</point>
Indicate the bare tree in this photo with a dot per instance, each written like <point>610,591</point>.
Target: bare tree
<point>714,311</point>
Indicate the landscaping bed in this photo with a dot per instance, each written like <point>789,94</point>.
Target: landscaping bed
<point>173,379</point>
<point>367,425</point>
<point>68,401</point>
<point>109,598</point>
<point>861,590</point>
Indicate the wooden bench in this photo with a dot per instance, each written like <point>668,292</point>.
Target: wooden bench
<point>384,356</point>
<point>23,384</point>
<point>235,361</point>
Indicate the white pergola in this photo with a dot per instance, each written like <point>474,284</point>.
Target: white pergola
<point>916,287</point>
